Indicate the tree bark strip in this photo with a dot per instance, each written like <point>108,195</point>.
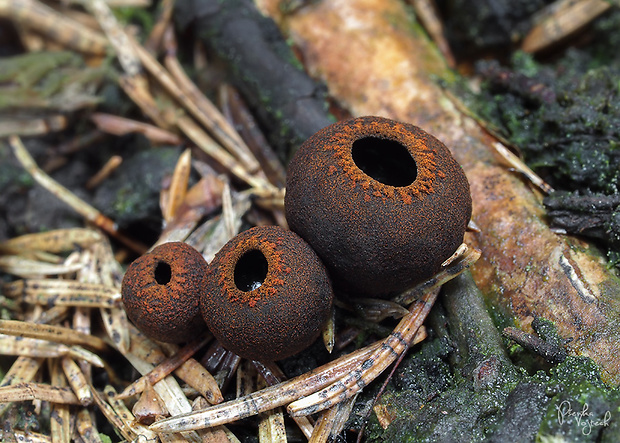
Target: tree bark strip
<point>375,61</point>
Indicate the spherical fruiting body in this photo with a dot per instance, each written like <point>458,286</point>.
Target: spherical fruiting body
<point>161,292</point>
<point>383,203</point>
<point>267,294</point>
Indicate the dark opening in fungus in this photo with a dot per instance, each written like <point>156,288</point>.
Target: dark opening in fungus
<point>161,292</point>
<point>267,294</point>
<point>251,271</point>
<point>383,203</point>
<point>387,161</point>
<point>163,273</point>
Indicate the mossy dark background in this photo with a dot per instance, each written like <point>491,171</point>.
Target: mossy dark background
<point>562,114</point>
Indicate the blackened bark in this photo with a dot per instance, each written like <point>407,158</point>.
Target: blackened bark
<point>289,105</point>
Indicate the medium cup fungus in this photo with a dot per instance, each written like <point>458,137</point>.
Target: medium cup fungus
<point>383,203</point>
<point>161,292</point>
<point>267,294</point>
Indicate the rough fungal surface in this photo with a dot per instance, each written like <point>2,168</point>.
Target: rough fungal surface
<point>383,203</point>
<point>161,292</point>
<point>267,294</point>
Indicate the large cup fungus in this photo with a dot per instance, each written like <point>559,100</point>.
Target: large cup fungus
<point>383,203</point>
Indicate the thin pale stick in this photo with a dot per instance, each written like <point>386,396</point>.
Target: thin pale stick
<point>53,333</point>
<point>427,14</point>
<point>391,347</point>
<point>86,428</point>
<point>25,267</point>
<point>268,398</point>
<point>211,148</point>
<point>111,415</point>
<point>563,22</point>
<point>138,431</point>
<point>136,87</point>
<point>106,170</point>
<point>33,126</point>
<point>115,34</point>
<point>60,418</point>
<point>22,436</point>
<point>522,168</point>
<point>456,266</point>
<point>59,240</point>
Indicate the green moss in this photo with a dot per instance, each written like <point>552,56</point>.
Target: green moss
<point>436,400</point>
<point>563,117</point>
<point>583,408</point>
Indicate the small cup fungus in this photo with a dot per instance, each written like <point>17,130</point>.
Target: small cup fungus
<point>161,292</point>
<point>383,203</point>
<point>267,295</point>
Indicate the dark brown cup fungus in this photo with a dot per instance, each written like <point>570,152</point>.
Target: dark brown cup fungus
<point>383,203</point>
<point>267,294</point>
<point>161,292</point>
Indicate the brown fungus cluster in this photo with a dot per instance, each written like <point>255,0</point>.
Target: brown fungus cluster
<point>267,294</point>
<point>383,203</point>
<point>161,292</point>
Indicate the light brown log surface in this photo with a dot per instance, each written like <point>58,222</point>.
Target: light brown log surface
<point>375,61</point>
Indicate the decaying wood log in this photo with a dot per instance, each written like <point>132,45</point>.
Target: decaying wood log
<point>375,61</point>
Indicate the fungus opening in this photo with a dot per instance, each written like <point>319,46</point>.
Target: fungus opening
<point>387,161</point>
<point>251,271</point>
<point>163,273</point>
